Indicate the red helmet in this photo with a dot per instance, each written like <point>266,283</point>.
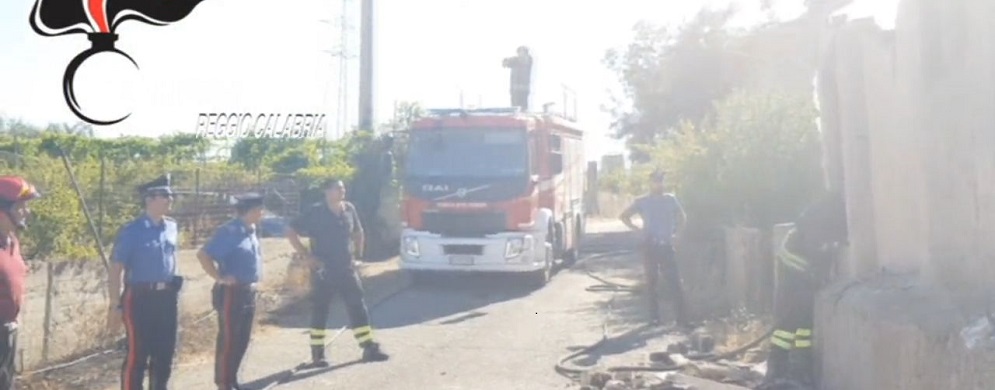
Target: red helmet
<point>15,189</point>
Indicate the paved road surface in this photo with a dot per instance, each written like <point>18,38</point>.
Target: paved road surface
<point>476,333</point>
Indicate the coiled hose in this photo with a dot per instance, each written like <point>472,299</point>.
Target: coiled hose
<point>565,370</point>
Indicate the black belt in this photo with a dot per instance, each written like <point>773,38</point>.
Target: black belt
<point>158,286</point>
<point>175,285</point>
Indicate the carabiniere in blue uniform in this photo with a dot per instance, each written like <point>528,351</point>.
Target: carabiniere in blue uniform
<point>233,258</point>
<point>145,254</point>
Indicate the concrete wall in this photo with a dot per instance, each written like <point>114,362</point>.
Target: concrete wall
<point>914,111</point>
<point>78,304</point>
<point>749,270</point>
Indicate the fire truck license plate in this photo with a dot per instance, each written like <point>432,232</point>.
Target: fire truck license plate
<point>461,260</point>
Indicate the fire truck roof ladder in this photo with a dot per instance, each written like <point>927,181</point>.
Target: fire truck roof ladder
<point>474,111</point>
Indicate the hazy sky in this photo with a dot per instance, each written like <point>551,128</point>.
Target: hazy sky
<point>238,56</point>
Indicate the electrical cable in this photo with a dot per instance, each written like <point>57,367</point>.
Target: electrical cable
<point>562,365</point>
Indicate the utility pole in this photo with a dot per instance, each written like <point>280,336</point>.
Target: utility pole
<point>344,53</point>
<point>342,118</point>
<point>366,67</point>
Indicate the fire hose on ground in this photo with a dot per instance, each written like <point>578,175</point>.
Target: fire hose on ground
<point>562,365</point>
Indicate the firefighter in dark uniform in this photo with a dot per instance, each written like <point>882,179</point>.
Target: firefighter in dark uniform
<point>232,257</point>
<point>15,192</point>
<point>521,77</point>
<point>805,261</point>
<point>145,255</point>
<point>334,232</point>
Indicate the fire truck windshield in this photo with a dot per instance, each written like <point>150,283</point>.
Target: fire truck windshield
<point>467,153</point>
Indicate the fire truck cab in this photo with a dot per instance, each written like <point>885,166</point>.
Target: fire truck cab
<point>492,190</point>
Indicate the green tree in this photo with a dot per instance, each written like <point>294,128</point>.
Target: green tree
<point>671,75</point>
<point>755,162</point>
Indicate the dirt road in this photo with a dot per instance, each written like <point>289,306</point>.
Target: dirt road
<point>479,333</point>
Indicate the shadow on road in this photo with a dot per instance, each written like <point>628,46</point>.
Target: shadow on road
<point>700,263</point>
<point>288,376</point>
<point>436,298</point>
<point>620,344</point>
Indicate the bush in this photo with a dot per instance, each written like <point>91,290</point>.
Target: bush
<point>59,228</point>
<point>755,162</point>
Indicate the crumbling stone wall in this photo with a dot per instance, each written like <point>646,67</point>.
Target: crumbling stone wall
<point>910,112</point>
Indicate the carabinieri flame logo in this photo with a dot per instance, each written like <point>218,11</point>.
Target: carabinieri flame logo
<point>98,19</point>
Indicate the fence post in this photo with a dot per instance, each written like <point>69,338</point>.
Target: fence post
<point>100,200</point>
<point>47,325</point>
<point>196,197</point>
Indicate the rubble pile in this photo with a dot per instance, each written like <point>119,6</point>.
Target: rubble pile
<point>683,366</point>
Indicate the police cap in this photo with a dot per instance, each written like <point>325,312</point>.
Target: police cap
<point>159,186</point>
<point>246,201</point>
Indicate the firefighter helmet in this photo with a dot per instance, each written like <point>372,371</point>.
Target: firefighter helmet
<point>15,189</point>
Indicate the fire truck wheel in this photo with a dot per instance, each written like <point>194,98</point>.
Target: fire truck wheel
<point>538,279</point>
<point>570,256</point>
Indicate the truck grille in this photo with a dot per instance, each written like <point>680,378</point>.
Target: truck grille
<point>464,224</point>
<point>475,250</point>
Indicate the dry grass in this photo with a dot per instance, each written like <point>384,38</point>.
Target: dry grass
<point>195,346</point>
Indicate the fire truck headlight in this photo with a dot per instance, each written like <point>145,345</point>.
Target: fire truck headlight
<point>517,246</point>
<point>410,246</point>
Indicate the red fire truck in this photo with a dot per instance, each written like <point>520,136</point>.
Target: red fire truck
<point>492,190</point>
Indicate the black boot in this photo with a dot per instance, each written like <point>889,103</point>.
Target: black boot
<point>318,356</point>
<point>372,353</point>
<point>802,367</point>
<point>778,366</point>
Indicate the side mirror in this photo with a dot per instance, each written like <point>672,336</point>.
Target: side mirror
<point>556,163</point>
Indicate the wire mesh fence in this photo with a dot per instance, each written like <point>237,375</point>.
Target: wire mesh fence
<point>202,200</point>
<point>60,229</point>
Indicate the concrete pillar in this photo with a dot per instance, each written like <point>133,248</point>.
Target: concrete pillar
<point>955,98</point>
<point>851,103</point>
<point>896,163</point>
<point>931,153</point>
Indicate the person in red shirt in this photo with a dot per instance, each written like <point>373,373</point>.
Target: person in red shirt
<point>15,192</point>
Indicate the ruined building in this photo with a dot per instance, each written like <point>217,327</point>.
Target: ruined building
<point>909,122</point>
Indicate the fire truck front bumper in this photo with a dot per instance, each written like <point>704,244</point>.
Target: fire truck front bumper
<point>502,252</point>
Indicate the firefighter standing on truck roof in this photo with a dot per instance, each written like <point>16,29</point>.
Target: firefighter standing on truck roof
<point>15,192</point>
<point>145,254</point>
<point>334,228</point>
<point>663,221</point>
<point>234,247</point>
<point>521,77</point>
<point>804,264</point>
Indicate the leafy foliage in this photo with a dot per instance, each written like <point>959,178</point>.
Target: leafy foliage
<point>59,228</point>
<point>756,162</point>
<point>728,113</point>
<point>672,75</point>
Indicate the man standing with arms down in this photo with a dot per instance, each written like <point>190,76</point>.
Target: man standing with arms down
<point>663,220</point>
<point>145,255</point>
<point>335,234</point>
<point>15,192</point>
<point>232,258</point>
